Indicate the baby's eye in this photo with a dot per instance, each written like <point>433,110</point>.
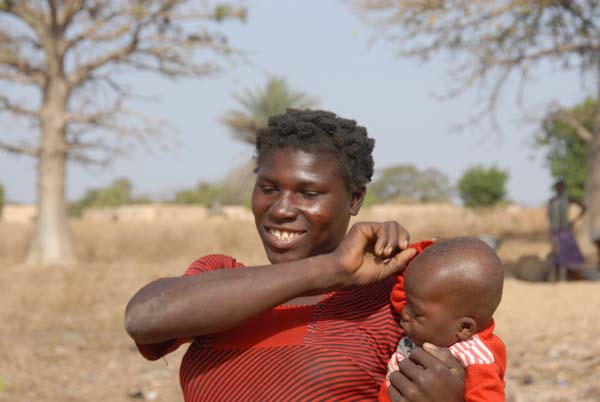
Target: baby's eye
<point>415,314</point>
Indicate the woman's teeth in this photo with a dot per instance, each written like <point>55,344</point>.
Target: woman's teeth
<point>281,235</point>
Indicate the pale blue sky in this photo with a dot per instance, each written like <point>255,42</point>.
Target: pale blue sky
<point>321,48</point>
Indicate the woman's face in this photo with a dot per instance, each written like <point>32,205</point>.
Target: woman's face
<point>301,204</point>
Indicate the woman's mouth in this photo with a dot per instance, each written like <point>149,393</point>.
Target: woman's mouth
<point>283,238</point>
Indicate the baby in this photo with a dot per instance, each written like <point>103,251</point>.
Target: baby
<point>447,296</point>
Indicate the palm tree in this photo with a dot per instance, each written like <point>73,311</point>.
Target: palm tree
<point>258,105</point>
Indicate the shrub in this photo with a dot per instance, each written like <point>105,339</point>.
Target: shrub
<point>118,193</point>
<point>409,183</point>
<point>481,187</point>
<point>566,153</point>
<point>204,194</point>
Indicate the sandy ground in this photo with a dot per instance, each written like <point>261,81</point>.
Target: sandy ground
<point>62,336</point>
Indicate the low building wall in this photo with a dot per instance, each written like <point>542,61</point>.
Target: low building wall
<point>147,213</point>
<point>449,219</point>
<point>13,213</point>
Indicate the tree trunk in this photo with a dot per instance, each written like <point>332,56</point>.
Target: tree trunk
<point>592,185</point>
<point>52,242</point>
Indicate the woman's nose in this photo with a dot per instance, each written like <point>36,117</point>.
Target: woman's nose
<point>283,207</point>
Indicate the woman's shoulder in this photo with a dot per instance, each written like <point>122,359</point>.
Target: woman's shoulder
<point>370,297</point>
<point>212,262</point>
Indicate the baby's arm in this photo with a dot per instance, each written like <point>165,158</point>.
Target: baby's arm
<point>484,383</point>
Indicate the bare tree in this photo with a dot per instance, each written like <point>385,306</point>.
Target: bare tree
<point>68,54</point>
<point>491,40</point>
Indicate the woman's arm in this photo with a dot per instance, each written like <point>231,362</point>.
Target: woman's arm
<point>215,301</point>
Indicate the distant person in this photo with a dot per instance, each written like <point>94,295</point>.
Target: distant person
<point>447,297</point>
<point>564,246</point>
<point>284,331</point>
<point>596,240</point>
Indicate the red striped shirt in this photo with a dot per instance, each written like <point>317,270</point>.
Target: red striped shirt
<point>336,350</point>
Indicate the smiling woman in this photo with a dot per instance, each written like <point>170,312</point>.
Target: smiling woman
<point>316,324</point>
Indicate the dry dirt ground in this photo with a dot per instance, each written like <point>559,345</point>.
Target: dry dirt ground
<point>62,336</point>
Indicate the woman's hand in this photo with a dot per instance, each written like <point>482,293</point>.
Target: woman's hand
<point>372,251</point>
<point>431,374</point>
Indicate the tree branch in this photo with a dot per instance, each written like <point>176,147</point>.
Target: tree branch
<point>554,51</point>
<point>83,72</point>
<point>88,43</point>
<point>7,105</point>
<point>11,57</point>
<point>70,11</point>
<point>98,117</point>
<point>16,78</point>
<point>91,32</point>
<point>569,118</point>
<point>53,14</point>
<point>22,150</point>
<point>493,39</point>
<point>156,40</point>
<point>76,156</point>
<point>32,17</point>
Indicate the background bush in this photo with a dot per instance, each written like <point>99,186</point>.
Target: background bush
<point>482,187</point>
<point>117,194</point>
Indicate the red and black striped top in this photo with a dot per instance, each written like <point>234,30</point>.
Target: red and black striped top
<point>336,350</point>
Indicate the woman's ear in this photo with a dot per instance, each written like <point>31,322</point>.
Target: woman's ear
<point>358,196</point>
<point>467,327</point>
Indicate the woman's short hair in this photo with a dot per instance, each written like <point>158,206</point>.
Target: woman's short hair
<point>321,132</point>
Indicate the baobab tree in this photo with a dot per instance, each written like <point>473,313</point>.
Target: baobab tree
<point>68,56</point>
<point>490,41</point>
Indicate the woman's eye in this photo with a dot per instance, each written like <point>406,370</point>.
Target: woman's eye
<point>311,194</point>
<point>267,189</point>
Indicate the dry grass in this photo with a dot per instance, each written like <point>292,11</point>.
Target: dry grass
<point>163,242</point>
<point>143,242</point>
<point>14,239</point>
<point>62,336</point>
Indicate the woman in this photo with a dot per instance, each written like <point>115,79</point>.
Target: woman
<point>316,324</point>
<point>564,246</point>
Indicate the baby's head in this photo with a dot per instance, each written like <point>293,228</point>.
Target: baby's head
<point>452,290</point>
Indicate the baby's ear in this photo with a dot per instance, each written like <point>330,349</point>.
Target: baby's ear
<point>467,327</point>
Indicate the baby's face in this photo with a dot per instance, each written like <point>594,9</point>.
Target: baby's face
<point>427,315</point>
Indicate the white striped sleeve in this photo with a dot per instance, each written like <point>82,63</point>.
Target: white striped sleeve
<point>472,351</point>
